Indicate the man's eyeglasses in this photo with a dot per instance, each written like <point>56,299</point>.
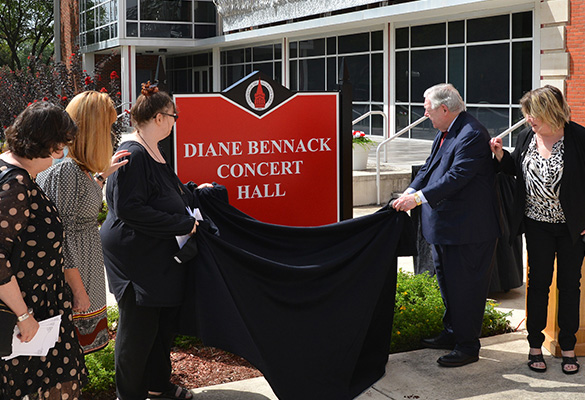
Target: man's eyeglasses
<point>175,116</point>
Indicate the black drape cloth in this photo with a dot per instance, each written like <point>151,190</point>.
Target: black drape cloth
<point>508,270</point>
<point>311,308</point>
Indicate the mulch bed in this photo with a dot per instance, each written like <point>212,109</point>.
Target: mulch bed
<point>199,366</point>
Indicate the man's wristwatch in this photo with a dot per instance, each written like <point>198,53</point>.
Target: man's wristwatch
<point>417,199</point>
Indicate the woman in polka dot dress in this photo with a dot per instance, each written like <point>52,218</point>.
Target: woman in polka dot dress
<point>34,289</point>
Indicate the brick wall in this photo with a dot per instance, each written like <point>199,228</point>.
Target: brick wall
<point>69,27</point>
<point>575,83</point>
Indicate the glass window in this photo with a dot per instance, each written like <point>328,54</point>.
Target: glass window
<point>234,56</point>
<point>205,11</point>
<point>165,30</point>
<point>456,32</point>
<point>494,119</point>
<point>267,68</point>
<point>331,73</point>
<point>424,130</point>
<point>402,76</point>
<point>377,77</point>
<point>402,38</point>
<point>522,25</point>
<point>332,45</point>
<point>204,31</point>
<point>428,69</point>
<point>427,35</point>
<point>294,75</point>
<point>293,49</point>
<point>165,10</point>
<point>357,111</point>
<point>312,74</point>
<point>377,40</point>
<point>202,60</point>
<point>354,43</point>
<point>131,29</point>
<point>262,53</point>
<point>181,81</point>
<point>277,51</point>
<point>309,48</point>
<point>132,9</point>
<point>521,69</point>
<point>488,74</point>
<point>359,75</point>
<point>457,68</point>
<point>490,28</point>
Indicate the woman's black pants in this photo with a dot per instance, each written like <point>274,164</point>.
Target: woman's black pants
<point>543,242</point>
<point>143,348</point>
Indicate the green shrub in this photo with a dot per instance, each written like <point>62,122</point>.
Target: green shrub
<point>100,370</point>
<point>418,313</point>
<point>186,342</point>
<point>113,316</point>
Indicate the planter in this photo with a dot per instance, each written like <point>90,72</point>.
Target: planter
<point>360,157</point>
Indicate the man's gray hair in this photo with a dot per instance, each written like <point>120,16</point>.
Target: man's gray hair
<point>445,93</point>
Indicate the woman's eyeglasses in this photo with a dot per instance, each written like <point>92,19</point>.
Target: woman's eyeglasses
<point>175,116</point>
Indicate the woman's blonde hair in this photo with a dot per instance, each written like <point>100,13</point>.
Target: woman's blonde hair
<point>547,104</point>
<point>94,114</point>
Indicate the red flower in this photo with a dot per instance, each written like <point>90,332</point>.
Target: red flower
<point>45,99</point>
<point>64,98</point>
<point>119,94</point>
<point>88,80</point>
<point>104,90</point>
<point>114,75</point>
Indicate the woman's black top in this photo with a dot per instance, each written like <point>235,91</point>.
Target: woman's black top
<point>572,190</point>
<point>147,209</point>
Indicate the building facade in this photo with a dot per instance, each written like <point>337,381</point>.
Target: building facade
<point>493,51</point>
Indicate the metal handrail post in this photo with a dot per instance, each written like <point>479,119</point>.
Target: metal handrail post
<point>384,142</point>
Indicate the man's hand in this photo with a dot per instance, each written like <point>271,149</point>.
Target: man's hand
<point>406,202</point>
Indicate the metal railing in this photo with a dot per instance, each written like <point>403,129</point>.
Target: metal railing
<point>386,141</point>
<point>512,128</point>
<point>403,131</point>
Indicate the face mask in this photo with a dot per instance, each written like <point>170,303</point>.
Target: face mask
<point>58,160</point>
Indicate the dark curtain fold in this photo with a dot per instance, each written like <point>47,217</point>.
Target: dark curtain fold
<point>311,308</point>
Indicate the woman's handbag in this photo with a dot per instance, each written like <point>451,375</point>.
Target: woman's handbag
<point>7,317</point>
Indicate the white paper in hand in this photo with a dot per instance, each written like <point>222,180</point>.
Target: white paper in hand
<point>181,240</point>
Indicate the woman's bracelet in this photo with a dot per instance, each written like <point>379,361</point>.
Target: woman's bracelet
<point>100,178</point>
<point>25,316</point>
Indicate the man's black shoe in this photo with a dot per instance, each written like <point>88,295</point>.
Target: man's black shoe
<point>443,341</point>
<point>456,359</point>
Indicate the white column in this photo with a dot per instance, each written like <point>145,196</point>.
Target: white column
<point>127,75</point>
<point>88,62</point>
<point>216,61</point>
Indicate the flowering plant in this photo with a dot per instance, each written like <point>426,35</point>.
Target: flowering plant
<point>360,138</point>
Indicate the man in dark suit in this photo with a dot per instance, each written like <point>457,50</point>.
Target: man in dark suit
<point>456,190</point>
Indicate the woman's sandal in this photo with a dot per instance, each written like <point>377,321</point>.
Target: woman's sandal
<point>570,361</point>
<point>174,392</point>
<point>534,359</point>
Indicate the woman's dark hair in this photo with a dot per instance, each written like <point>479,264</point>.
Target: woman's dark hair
<point>39,130</point>
<point>149,104</point>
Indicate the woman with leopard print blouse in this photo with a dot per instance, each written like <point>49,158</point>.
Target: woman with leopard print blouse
<point>549,164</point>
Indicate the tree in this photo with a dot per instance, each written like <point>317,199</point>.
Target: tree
<point>26,30</point>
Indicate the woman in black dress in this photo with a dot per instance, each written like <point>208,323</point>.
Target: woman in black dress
<point>34,290</point>
<point>147,210</point>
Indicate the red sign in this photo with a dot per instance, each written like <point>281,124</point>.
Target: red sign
<point>280,167</point>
